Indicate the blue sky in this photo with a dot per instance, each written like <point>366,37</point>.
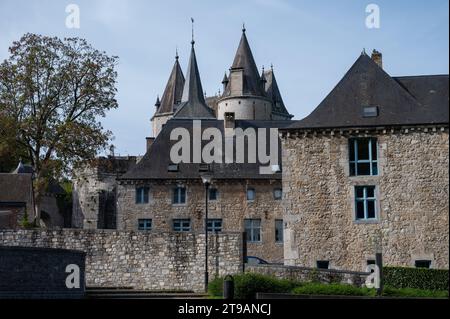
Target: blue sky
<point>310,43</point>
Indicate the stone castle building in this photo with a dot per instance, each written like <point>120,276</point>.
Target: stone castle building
<point>156,194</point>
<point>367,171</point>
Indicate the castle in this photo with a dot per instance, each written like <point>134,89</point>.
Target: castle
<point>367,170</point>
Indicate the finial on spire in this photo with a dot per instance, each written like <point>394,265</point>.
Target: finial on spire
<point>243,27</point>
<point>363,51</point>
<point>271,67</point>
<point>176,53</point>
<point>192,25</point>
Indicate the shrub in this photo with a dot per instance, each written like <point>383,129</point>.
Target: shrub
<point>247,285</point>
<point>333,290</point>
<point>417,278</point>
<point>412,292</point>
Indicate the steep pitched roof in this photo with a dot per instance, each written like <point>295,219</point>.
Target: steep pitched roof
<point>366,84</point>
<point>154,164</point>
<point>193,103</point>
<point>244,60</point>
<point>273,93</point>
<point>173,91</point>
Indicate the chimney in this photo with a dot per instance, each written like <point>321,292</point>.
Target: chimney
<point>377,57</point>
<point>150,141</point>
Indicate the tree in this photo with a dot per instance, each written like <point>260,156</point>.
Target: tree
<point>52,94</point>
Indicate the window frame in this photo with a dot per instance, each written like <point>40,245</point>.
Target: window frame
<point>142,195</point>
<point>365,200</point>
<point>182,227</point>
<point>176,191</point>
<point>279,232</point>
<point>212,227</point>
<point>371,162</point>
<point>250,189</point>
<point>145,227</point>
<point>216,192</point>
<point>251,235</point>
<point>281,195</point>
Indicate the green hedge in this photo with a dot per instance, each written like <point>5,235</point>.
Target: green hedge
<point>247,285</point>
<point>416,278</point>
<point>332,289</point>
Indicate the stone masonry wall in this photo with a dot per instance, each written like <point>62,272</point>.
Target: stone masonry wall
<point>304,274</point>
<point>413,206</point>
<point>231,206</point>
<point>142,260</point>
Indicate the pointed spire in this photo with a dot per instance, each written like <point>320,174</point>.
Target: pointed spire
<point>273,92</point>
<point>173,91</point>
<point>193,101</point>
<point>263,76</point>
<point>244,61</point>
<point>225,78</point>
<point>158,102</point>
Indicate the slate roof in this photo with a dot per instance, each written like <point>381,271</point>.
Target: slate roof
<point>193,103</point>
<point>15,188</point>
<point>400,100</point>
<point>244,60</point>
<point>154,164</point>
<point>173,91</point>
<point>273,93</point>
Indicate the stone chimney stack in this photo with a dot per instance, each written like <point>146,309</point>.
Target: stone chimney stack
<point>377,57</point>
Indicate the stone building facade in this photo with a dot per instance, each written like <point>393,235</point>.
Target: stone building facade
<point>339,215</point>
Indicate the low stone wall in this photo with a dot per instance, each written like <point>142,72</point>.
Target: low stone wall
<point>142,260</point>
<point>304,274</point>
<point>29,272</point>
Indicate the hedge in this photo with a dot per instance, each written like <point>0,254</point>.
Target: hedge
<point>247,285</point>
<point>416,278</point>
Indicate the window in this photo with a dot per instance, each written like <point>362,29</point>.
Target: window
<point>182,225</point>
<point>214,225</point>
<point>277,193</point>
<point>422,263</point>
<point>363,156</point>
<point>144,224</point>
<point>370,111</point>
<point>253,230</point>
<point>172,168</point>
<point>213,194</point>
<point>179,195</point>
<point>251,194</point>
<point>365,203</point>
<point>323,264</point>
<point>279,230</point>
<point>142,195</point>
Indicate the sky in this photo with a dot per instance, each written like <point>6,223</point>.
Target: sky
<point>311,44</point>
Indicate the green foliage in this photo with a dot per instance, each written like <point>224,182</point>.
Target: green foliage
<point>417,278</point>
<point>247,285</point>
<point>52,94</point>
<point>411,292</point>
<point>24,223</point>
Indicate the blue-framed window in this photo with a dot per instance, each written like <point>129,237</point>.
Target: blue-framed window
<point>278,230</point>
<point>145,224</point>
<point>215,225</point>
<point>182,225</point>
<point>251,194</point>
<point>253,229</point>
<point>213,194</point>
<point>142,195</point>
<point>179,195</point>
<point>277,194</point>
<point>365,203</point>
<point>363,156</point>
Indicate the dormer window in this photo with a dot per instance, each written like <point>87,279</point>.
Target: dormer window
<point>370,111</point>
<point>172,168</point>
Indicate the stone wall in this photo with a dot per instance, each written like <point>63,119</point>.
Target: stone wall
<point>231,206</point>
<point>413,205</point>
<point>142,260</point>
<point>29,272</point>
<point>94,192</point>
<point>304,274</point>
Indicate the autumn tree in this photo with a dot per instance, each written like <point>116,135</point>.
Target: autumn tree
<point>53,93</point>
